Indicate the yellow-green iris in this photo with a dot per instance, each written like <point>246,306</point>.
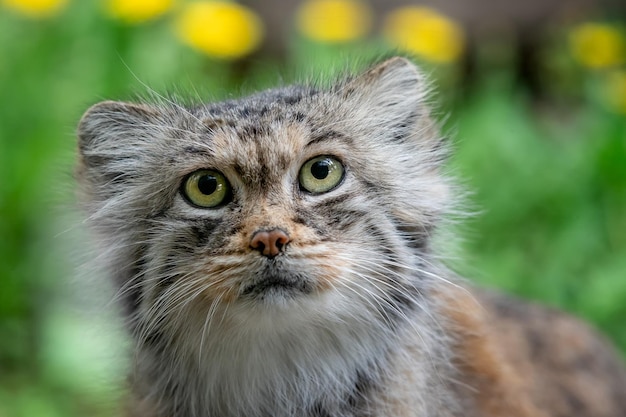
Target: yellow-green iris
<point>321,174</point>
<point>206,188</point>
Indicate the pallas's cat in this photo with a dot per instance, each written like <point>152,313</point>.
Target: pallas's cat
<point>274,257</point>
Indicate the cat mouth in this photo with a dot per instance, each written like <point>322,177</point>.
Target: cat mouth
<point>278,285</point>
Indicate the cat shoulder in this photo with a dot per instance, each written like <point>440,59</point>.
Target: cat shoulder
<point>516,357</point>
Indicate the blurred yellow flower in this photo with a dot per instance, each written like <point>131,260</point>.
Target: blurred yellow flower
<point>597,45</point>
<point>137,11</point>
<point>36,8</point>
<point>615,91</point>
<point>334,20</point>
<point>424,32</point>
<point>221,29</point>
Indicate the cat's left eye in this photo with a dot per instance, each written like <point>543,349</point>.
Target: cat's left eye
<point>321,174</point>
<point>206,188</point>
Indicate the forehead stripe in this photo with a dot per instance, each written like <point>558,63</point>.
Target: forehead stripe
<point>327,135</point>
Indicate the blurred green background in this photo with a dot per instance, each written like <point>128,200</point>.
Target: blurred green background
<point>539,136</point>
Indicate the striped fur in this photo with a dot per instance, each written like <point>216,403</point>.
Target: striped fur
<point>364,326</point>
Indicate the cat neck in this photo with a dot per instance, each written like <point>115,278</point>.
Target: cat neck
<point>298,362</point>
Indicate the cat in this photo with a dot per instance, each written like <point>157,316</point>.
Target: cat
<point>274,256</point>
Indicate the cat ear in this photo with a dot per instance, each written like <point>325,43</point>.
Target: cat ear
<point>114,130</point>
<point>116,142</point>
<point>389,98</point>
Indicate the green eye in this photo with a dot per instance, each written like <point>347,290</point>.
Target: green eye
<point>206,188</point>
<point>321,174</point>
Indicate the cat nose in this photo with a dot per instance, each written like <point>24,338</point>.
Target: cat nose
<point>269,242</point>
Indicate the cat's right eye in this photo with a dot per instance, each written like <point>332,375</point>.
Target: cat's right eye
<point>206,188</point>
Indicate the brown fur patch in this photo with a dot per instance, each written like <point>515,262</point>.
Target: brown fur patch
<point>519,359</point>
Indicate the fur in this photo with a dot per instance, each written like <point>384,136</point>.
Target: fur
<point>365,322</point>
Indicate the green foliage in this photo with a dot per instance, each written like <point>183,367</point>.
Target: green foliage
<point>549,186</point>
<point>552,197</point>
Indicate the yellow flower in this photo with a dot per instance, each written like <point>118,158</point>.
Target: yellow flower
<point>36,8</point>
<point>597,45</point>
<point>615,91</point>
<point>424,32</point>
<point>334,20</point>
<point>137,11</point>
<point>221,29</point>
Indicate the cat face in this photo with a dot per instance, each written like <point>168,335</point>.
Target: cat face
<point>293,200</point>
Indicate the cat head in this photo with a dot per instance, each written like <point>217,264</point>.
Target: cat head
<point>287,200</point>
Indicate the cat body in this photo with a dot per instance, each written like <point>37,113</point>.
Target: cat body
<point>274,257</point>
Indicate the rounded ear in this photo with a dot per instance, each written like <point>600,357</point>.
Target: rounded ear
<point>115,140</point>
<point>395,76</point>
<point>388,98</point>
<point>113,128</point>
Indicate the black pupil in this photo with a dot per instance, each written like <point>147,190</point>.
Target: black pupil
<point>320,169</point>
<point>207,184</point>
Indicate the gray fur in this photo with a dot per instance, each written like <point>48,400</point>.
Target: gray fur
<point>366,340</point>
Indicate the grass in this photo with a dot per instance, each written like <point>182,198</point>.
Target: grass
<point>552,200</point>
<point>549,187</point>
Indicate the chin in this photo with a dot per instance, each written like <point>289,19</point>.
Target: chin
<point>278,287</point>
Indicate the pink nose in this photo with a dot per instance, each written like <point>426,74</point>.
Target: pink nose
<point>269,242</point>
